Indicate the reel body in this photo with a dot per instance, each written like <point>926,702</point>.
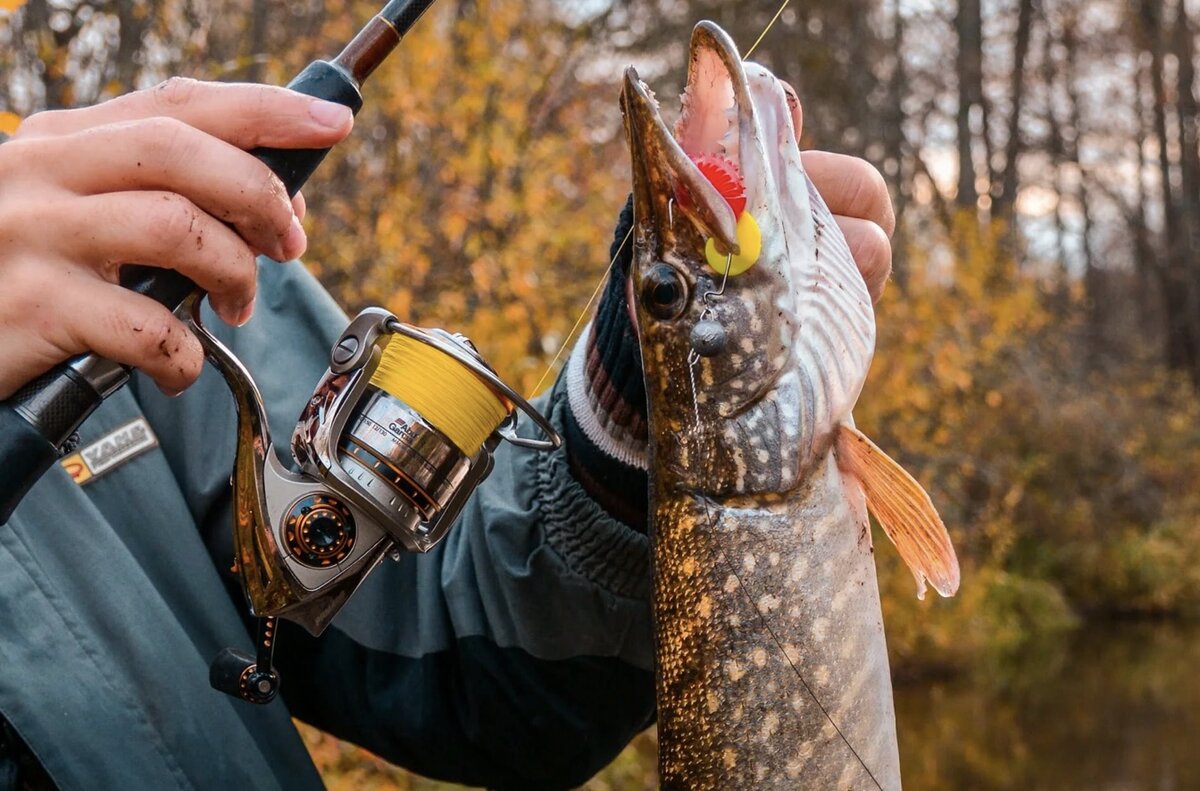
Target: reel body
<point>397,435</point>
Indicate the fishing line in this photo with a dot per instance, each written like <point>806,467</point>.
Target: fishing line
<point>767,29</point>
<point>582,315</point>
<point>779,644</point>
<point>762,618</point>
<point>586,308</point>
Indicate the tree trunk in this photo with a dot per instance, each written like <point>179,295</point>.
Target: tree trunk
<point>1054,148</point>
<point>894,140</point>
<point>259,44</point>
<point>1007,195</point>
<point>1189,171</point>
<point>132,27</point>
<point>969,25</point>
<point>1181,349</point>
<point>1148,269</point>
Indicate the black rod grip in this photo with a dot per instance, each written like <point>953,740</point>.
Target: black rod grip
<point>324,81</point>
<point>24,458</point>
<point>293,166</point>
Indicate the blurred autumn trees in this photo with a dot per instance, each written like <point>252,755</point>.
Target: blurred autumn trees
<point>1039,350</point>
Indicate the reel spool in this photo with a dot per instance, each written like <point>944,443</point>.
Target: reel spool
<point>397,435</point>
<point>410,432</point>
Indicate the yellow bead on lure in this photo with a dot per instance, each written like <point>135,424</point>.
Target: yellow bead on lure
<point>749,239</point>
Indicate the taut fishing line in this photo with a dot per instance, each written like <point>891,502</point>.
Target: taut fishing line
<point>582,315</point>
<point>621,247</point>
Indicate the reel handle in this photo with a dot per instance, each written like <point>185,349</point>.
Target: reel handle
<point>251,678</point>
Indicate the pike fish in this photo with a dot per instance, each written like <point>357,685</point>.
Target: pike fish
<point>772,670</point>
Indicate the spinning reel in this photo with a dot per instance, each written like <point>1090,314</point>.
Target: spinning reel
<point>396,436</point>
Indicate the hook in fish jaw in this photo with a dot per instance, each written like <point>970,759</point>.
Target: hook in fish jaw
<point>709,337</point>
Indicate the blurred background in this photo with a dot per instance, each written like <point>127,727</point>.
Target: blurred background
<point>1039,353</point>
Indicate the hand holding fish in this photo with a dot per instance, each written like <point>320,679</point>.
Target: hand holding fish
<point>858,198</point>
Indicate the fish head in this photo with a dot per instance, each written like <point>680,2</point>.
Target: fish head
<point>746,370</point>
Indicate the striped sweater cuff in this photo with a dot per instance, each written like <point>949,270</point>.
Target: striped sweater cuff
<point>606,428</point>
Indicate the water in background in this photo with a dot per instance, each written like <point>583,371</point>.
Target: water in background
<point>1112,708</point>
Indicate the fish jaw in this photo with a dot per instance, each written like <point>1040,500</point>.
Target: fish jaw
<point>788,374</point>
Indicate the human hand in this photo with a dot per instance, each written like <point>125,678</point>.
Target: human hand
<point>158,177</point>
<point>858,197</point>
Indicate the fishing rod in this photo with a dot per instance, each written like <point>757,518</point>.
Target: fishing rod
<point>38,423</point>
<point>397,434</point>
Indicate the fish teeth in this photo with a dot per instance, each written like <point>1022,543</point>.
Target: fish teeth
<point>649,92</point>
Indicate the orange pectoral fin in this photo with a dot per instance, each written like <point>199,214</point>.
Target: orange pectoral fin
<point>904,511</point>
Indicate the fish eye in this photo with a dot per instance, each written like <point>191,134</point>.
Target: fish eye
<point>664,292</point>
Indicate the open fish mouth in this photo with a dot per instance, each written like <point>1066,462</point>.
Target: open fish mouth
<point>665,160</point>
<point>714,257</point>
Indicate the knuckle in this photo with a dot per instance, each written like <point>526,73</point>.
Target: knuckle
<point>161,345</point>
<point>39,123</point>
<point>23,281</point>
<point>156,335</point>
<point>175,93</point>
<point>261,101</point>
<point>166,135</point>
<point>174,221</point>
<point>22,155</point>
<point>239,275</point>
<point>870,193</point>
<point>874,253</point>
<point>273,190</point>
<point>872,243</point>
<point>272,200</point>
<point>246,271</point>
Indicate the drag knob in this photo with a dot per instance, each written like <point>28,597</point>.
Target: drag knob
<point>319,530</point>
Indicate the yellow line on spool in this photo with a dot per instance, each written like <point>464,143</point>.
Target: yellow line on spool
<point>440,389</point>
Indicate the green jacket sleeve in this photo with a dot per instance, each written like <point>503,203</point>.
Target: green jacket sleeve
<point>515,655</point>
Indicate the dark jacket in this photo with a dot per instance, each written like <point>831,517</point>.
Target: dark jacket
<point>516,655</point>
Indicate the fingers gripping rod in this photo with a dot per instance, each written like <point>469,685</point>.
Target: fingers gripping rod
<point>38,423</point>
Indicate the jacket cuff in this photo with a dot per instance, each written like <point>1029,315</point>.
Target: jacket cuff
<point>605,424</point>
<point>591,541</point>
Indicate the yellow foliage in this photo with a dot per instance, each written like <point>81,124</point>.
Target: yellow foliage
<point>1065,490</point>
<point>473,193</point>
<point>9,123</point>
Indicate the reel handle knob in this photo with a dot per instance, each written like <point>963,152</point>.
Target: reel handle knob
<point>237,673</point>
